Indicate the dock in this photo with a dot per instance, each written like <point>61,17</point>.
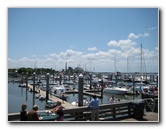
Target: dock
<point>55,99</point>
<point>86,92</point>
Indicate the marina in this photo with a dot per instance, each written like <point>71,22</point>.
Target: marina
<point>71,56</point>
<point>72,100</point>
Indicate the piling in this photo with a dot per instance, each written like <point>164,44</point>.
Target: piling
<point>22,81</point>
<point>90,81</point>
<point>60,79</point>
<point>26,86</point>
<point>47,87</point>
<point>102,88</point>
<point>34,88</point>
<point>80,90</point>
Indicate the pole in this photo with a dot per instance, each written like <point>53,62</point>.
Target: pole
<point>133,85</point>
<point>22,78</point>
<point>80,90</point>
<point>47,87</point>
<point>90,81</point>
<point>60,79</point>
<point>102,88</point>
<point>26,86</point>
<point>34,88</point>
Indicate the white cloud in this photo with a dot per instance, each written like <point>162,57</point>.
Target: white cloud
<point>122,43</point>
<point>70,53</point>
<point>113,43</point>
<point>101,61</point>
<point>133,36</point>
<point>91,56</point>
<point>115,53</point>
<point>92,49</point>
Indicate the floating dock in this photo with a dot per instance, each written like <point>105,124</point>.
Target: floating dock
<point>55,99</point>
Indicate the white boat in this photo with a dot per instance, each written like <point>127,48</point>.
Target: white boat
<point>87,87</point>
<point>59,91</point>
<point>38,95</point>
<point>85,102</point>
<point>116,90</point>
<point>141,87</point>
<point>67,87</point>
<point>41,98</point>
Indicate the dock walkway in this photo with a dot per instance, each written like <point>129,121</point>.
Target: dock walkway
<point>55,99</point>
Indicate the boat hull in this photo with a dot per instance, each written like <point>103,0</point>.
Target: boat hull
<point>116,91</point>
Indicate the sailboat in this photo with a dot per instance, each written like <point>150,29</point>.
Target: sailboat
<point>142,77</point>
<point>116,89</point>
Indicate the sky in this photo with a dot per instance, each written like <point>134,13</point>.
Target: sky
<point>95,39</point>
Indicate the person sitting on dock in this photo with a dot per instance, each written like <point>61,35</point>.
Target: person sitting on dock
<point>94,104</point>
<point>32,114</point>
<point>58,110</point>
<point>23,113</point>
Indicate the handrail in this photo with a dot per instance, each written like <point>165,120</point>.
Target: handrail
<point>108,112</point>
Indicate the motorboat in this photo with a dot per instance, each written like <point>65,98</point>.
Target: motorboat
<point>87,87</point>
<point>67,87</point>
<point>141,87</point>
<point>41,98</point>
<point>22,85</point>
<point>116,90</point>
<point>85,102</point>
<point>59,91</point>
<point>50,104</point>
<point>38,95</point>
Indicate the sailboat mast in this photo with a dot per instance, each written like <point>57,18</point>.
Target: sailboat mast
<point>127,65</point>
<point>115,66</point>
<point>141,60</point>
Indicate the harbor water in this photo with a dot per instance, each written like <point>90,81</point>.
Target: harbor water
<point>18,95</point>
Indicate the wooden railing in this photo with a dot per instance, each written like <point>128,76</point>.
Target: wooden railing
<point>107,112</point>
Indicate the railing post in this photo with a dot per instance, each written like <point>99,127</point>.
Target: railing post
<point>129,110</point>
<point>114,111</point>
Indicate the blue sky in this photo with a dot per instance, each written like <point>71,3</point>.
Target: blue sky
<point>92,38</point>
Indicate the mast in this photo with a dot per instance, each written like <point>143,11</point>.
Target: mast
<point>127,65</point>
<point>115,66</point>
<point>141,62</point>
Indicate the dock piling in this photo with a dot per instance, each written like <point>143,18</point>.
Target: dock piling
<point>80,90</point>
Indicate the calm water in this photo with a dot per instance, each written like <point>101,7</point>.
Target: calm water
<point>18,95</point>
